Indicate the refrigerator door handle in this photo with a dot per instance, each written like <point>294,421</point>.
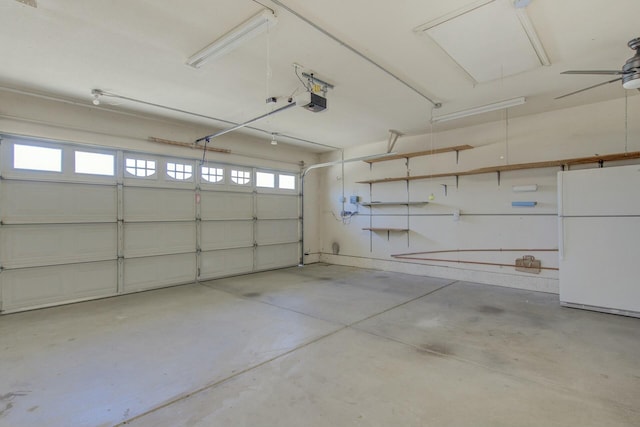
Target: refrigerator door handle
<point>560,216</point>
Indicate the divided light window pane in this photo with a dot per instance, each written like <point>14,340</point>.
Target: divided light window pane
<point>140,167</point>
<point>212,174</point>
<point>37,158</point>
<point>287,182</point>
<point>179,171</point>
<point>94,163</point>
<point>240,177</point>
<point>265,179</point>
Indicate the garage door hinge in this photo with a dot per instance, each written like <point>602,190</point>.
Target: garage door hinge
<point>255,218</point>
<point>255,244</point>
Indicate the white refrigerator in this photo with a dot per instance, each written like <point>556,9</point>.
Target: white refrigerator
<point>599,239</point>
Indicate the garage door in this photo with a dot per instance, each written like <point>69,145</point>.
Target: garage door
<point>249,220</point>
<point>81,223</point>
<point>59,232</point>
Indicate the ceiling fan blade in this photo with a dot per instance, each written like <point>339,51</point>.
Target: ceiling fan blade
<point>599,72</point>
<point>590,87</point>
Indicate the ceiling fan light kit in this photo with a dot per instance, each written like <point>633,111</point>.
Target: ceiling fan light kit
<point>631,68</point>
<point>630,72</point>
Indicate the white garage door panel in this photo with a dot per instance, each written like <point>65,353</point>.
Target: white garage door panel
<point>154,204</point>
<point>272,206</point>
<point>224,205</point>
<point>277,256</point>
<point>159,271</point>
<point>277,231</point>
<point>226,234</point>
<point>225,263</point>
<point>36,202</point>
<point>33,287</point>
<point>38,245</point>
<point>159,238</point>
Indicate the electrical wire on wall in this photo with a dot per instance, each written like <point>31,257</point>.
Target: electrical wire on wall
<point>506,120</point>
<point>345,218</point>
<point>297,69</point>
<point>506,135</point>
<point>431,143</point>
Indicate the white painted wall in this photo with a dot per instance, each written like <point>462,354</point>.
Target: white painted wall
<point>576,132</point>
<point>488,220</point>
<point>38,117</point>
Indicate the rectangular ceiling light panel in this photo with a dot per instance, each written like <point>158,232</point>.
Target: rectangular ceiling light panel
<point>487,39</point>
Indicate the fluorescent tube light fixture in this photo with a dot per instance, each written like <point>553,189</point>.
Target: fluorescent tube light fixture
<point>479,110</point>
<point>249,29</point>
<point>528,28</point>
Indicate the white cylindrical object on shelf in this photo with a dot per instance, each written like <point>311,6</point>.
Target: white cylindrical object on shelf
<point>525,188</point>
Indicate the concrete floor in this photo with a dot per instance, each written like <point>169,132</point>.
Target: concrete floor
<point>320,346</point>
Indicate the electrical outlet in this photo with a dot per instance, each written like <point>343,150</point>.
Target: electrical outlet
<point>354,200</point>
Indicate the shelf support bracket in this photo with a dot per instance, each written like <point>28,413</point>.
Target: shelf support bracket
<point>445,189</point>
<point>393,138</point>
<point>457,156</point>
<point>457,181</point>
<point>498,172</point>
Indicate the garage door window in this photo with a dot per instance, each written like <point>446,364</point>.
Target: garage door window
<point>94,163</point>
<point>37,158</point>
<point>265,179</point>
<point>214,175</point>
<point>179,171</point>
<point>287,182</point>
<point>240,177</point>
<point>140,167</point>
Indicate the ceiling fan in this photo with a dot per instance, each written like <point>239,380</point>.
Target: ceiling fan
<point>630,72</point>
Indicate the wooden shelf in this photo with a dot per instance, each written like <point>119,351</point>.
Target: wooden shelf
<point>393,204</point>
<point>421,153</point>
<point>519,166</point>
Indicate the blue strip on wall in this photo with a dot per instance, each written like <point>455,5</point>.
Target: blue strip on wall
<point>523,204</point>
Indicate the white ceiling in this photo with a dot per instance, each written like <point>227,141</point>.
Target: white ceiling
<point>138,49</point>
